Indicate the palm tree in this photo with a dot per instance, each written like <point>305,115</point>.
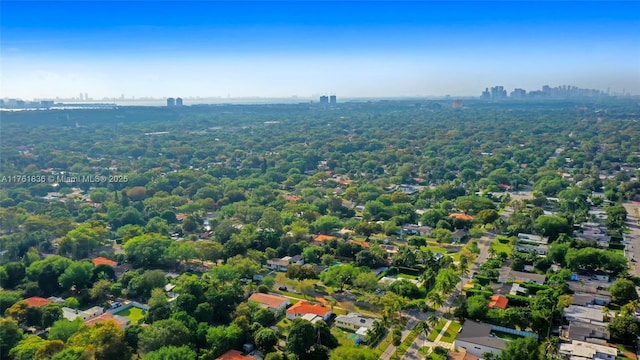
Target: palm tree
<point>435,299</point>
<point>426,329</point>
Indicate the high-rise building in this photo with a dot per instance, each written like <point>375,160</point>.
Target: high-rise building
<point>486,94</point>
<point>518,93</point>
<point>324,99</point>
<point>178,101</point>
<point>498,92</point>
<point>171,102</point>
<point>332,99</point>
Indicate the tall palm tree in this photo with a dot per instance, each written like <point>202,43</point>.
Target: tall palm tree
<point>424,326</point>
<point>435,299</point>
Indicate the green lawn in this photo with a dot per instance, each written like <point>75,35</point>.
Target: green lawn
<point>505,336</point>
<point>452,331</point>
<point>500,247</point>
<point>133,313</point>
<point>436,331</point>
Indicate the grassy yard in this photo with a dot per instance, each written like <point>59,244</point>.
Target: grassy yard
<point>505,336</point>
<point>452,331</point>
<point>436,331</point>
<point>133,313</point>
<point>283,326</point>
<point>500,247</point>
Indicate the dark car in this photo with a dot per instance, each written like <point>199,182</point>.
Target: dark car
<point>282,288</point>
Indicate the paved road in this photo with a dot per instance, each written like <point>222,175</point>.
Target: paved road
<point>413,316</point>
<point>412,353</point>
<point>632,248</point>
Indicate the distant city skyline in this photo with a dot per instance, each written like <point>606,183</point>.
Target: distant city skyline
<point>282,49</point>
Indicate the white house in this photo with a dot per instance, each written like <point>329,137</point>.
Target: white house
<point>579,350</point>
<point>476,338</point>
<point>355,322</point>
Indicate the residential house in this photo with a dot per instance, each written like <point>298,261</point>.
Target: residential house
<point>476,339</point>
<point>272,302</point>
<point>234,355</point>
<point>591,332</point>
<point>507,274</point>
<point>120,320</point>
<point>414,229</point>
<point>533,238</point>
<point>459,235</point>
<point>540,250</point>
<point>498,302</point>
<point>104,261</point>
<point>36,301</point>
<point>584,299</point>
<point>579,350</point>
<point>302,308</point>
<point>72,314</point>
<point>278,264</point>
<point>323,238</point>
<point>584,314</point>
<point>461,354</point>
<point>355,322</point>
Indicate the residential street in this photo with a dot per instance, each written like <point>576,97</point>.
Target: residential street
<point>412,353</point>
<point>632,249</point>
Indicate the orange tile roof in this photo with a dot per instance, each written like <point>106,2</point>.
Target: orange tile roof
<point>234,355</point>
<point>292,198</point>
<point>36,301</point>
<point>104,261</point>
<point>272,301</point>
<point>498,301</point>
<point>364,244</point>
<point>303,308</point>
<point>321,238</point>
<point>102,318</point>
<point>461,216</point>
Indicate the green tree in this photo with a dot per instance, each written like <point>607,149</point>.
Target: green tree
<point>77,276</point>
<point>105,340</point>
<point>552,226</point>
<point>63,329</point>
<point>301,337</point>
<point>265,340</point>
<point>10,335</point>
<point>163,333</point>
<point>623,291</point>
<point>172,353</point>
<point>625,328</point>
<point>521,349</point>
<point>477,307</point>
<point>26,349</point>
<point>326,224</point>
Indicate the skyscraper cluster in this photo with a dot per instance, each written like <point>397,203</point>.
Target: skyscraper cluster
<point>564,91</point>
<point>174,102</point>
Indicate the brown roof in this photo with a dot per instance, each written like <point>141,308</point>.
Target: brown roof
<point>104,261</point>
<point>321,238</point>
<point>461,216</point>
<point>36,301</point>
<point>304,307</point>
<point>462,354</point>
<point>234,355</point>
<point>105,317</point>
<point>498,301</point>
<point>272,301</point>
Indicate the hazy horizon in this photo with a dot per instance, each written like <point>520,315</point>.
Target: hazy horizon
<point>282,49</point>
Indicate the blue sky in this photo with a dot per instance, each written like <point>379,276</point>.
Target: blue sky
<point>306,48</point>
